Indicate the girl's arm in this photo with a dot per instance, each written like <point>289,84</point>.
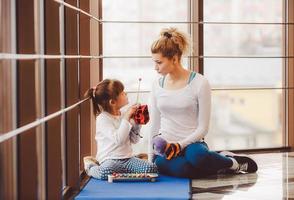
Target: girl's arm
<point>118,134</point>
<point>204,101</point>
<point>154,121</point>
<point>121,134</point>
<point>135,134</point>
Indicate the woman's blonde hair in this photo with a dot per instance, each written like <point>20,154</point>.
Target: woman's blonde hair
<point>170,43</point>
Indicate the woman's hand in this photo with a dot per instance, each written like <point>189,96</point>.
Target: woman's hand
<point>162,147</point>
<point>172,150</point>
<point>130,112</point>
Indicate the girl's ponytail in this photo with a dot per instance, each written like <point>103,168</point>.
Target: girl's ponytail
<point>91,93</point>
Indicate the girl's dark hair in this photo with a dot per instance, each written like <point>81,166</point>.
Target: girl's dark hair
<point>171,42</point>
<point>101,95</point>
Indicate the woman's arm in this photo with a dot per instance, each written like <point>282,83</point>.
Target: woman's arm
<point>204,105</point>
<point>154,121</point>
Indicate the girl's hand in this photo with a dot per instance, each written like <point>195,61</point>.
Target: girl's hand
<point>130,112</point>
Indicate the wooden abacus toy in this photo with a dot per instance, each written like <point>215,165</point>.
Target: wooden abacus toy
<point>132,177</point>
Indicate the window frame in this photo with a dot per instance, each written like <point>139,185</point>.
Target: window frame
<point>8,173</point>
<point>290,70</point>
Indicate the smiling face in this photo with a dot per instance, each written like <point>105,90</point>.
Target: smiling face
<point>163,65</point>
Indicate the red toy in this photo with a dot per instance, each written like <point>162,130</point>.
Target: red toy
<point>141,115</point>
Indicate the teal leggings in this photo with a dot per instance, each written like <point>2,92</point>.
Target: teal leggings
<point>196,161</point>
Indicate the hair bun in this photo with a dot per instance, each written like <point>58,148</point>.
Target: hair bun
<point>167,34</point>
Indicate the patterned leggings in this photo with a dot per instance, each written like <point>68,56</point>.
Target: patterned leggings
<point>128,165</point>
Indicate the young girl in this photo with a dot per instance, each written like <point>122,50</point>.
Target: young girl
<point>115,132</point>
<point>180,114</point>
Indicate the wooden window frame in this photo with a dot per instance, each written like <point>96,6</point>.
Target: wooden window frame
<point>96,70</point>
<point>41,92</point>
<point>290,69</point>
<point>53,103</point>
<point>71,97</point>
<point>8,154</point>
<point>26,97</point>
<point>40,97</point>
<point>196,31</point>
<point>86,112</point>
<point>89,75</point>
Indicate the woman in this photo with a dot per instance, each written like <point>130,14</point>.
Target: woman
<point>180,113</point>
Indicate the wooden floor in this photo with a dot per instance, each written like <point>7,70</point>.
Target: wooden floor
<point>273,181</point>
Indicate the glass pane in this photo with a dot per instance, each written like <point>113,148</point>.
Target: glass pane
<point>129,70</point>
<point>246,119</point>
<point>252,118</point>
<point>132,39</point>
<point>232,73</point>
<point>163,10</point>
<point>257,40</point>
<point>135,39</point>
<point>243,11</point>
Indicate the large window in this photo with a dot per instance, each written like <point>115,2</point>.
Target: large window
<point>247,46</point>
<point>243,49</point>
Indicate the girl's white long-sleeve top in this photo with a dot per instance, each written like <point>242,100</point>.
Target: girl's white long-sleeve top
<point>180,116</point>
<point>114,136</point>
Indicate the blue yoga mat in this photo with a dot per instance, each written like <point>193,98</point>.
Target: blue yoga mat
<point>165,187</point>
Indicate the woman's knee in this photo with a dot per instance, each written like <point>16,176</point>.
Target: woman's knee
<point>196,153</point>
<point>160,162</point>
<point>178,167</point>
<point>164,166</point>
